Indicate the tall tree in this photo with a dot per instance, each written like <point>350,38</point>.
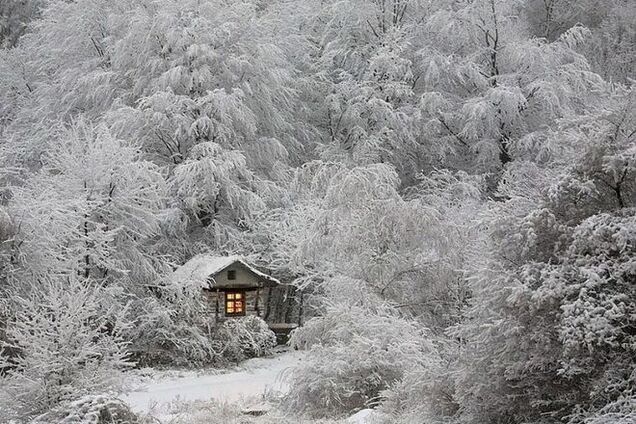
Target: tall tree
<point>90,210</point>
<point>551,322</point>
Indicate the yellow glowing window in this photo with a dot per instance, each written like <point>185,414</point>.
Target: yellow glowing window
<point>234,303</point>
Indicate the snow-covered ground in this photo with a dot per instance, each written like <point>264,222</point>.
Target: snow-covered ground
<point>157,391</point>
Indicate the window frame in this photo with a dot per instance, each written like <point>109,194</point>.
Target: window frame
<point>231,274</point>
<point>227,299</point>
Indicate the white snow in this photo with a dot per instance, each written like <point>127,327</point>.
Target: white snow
<point>363,416</point>
<point>200,267</point>
<point>254,377</point>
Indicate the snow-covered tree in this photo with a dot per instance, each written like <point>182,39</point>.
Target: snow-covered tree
<point>364,66</point>
<point>15,16</point>
<point>215,92</point>
<point>66,344</point>
<point>490,89</point>
<point>552,313</point>
<point>217,190</point>
<point>89,210</point>
<point>612,48</point>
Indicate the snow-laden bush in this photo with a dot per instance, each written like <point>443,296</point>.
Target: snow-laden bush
<point>621,411</point>
<point>172,330</point>
<point>173,326</point>
<point>90,409</point>
<point>242,338</point>
<point>68,344</point>
<point>425,394</point>
<point>355,354</point>
<point>177,328</point>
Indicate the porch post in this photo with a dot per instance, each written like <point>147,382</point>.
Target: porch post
<point>300,309</point>
<point>268,304</point>
<point>216,314</point>
<point>258,294</point>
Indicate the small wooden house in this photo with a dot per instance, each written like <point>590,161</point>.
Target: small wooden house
<point>233,287</point>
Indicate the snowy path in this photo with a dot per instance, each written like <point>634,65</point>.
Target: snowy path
<point>252,378</point>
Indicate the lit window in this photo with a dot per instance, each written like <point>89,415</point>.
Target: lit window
<point>234,303</point>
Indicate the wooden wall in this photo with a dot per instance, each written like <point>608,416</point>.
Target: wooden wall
<point>244,278</point>
<point>250,303</point>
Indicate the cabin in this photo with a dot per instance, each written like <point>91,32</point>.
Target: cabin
<point>233,287</point>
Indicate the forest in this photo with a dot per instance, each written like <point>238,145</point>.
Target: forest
<point>449,186</point>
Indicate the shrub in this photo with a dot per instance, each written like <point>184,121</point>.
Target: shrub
<point>175,326</point>
<point>242,338</point>
<point>354,355</point>
<point>176,329</point>
<point>426,393</point>
<point>67,345</point>
<point>171,332</point>
<point>90,409</point>
<point>621,410</point>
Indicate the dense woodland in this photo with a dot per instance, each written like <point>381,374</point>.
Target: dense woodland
<point>451,184</point>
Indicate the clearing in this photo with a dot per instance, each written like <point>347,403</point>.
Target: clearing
<point>157,392</point>
<point>183,396</point>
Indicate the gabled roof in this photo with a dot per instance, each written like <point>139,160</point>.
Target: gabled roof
<point>201,267</point>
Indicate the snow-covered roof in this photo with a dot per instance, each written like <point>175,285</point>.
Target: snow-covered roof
<point>202,266</point>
